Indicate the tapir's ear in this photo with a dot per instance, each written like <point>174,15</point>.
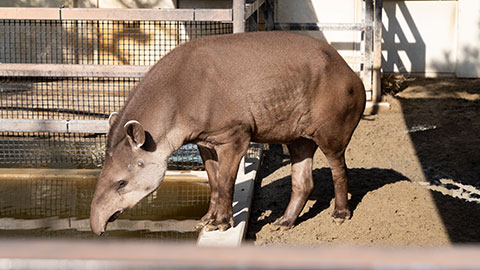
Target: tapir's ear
<point>135,133</point>
<point>112,118</point>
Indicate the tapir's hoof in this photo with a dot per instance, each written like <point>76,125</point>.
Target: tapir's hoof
<point>202,224</point>
<point>283,224</point>
<point>213,226</point>
<point>220,227</point>
<point>339,217</point>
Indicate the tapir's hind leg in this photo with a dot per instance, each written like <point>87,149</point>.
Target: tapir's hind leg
<point>301,155</point>
<point>340,184</point>
<point>333,144</point>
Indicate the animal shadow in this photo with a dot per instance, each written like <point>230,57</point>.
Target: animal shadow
<point>275,196</point>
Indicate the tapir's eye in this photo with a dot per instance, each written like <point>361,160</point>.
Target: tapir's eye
<point>140,164</point>
<point>121,184</point>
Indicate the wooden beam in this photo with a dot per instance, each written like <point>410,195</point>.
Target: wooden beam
<point>377,52</point>
<point>13,13</point>
<point>120,14</point>
<point>252,7</point>
<point>127,14</point>
<point>57,70</point>
<point>238,16</point>
<point>354,59</point>
<point>367,67</point>
<point>62,126</point>
<point>319,26</point>
<point>216,15</point>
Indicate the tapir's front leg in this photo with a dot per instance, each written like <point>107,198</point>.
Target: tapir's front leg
<point>210,161</point>
<point>229,156</point>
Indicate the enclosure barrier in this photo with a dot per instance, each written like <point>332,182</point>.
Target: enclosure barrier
<point>149,255</point>
<point>371,28</point>
<point>64,70</point>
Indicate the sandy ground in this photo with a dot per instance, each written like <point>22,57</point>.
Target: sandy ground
<point>414,175</point>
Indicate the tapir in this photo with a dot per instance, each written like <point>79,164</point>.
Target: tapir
<point>221,93</point>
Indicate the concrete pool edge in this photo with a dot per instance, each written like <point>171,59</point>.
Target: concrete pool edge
<point>33,173</point>
<point>242,200</point>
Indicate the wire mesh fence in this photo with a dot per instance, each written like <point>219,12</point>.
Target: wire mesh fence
<point>55,150</point>
<point>71,198</point>
<point>133,43</point>
<point>97,42</point>
<point>62,98</point>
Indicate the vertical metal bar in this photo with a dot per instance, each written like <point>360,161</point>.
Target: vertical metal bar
<point>377,51</point>
<point>367,69</point>
<point>269,21</point>
<point>238,16</point>
<point>253,22</point>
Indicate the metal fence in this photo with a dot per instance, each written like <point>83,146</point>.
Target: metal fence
<point>97,42</point>
<point>73,69</point>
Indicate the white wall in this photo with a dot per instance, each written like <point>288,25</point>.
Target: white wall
<point>344,11</point>
<point>468,39</point>
<point>429,37</point>
<point>420,37</point>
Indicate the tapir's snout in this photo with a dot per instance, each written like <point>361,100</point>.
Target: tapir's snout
<point>97,222</point>
<point>100,216</point>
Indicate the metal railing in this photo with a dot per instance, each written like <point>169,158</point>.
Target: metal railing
<point>64,70</point>
<point>371,28</point>
<point>150,255</point>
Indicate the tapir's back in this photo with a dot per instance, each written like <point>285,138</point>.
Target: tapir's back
<point>275,82</point>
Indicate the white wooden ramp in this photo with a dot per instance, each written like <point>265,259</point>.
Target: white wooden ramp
<point>242,200</point>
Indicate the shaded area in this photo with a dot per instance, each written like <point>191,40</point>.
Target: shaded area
<point>460,218</point>
<point>442,118</point>
<point>396,43</point>
<point>447,146</point>
<point>430,138</point>
<point>274,197</point>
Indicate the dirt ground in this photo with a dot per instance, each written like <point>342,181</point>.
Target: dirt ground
<point>414,175</point>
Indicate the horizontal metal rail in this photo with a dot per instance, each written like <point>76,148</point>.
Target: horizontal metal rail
<point>354,59</point>
<point>320,26</point>
<point>251,8</point>
<point>78,254</point>
<point>56,70</point>
<point>62,126</point>
<point>118,14</point>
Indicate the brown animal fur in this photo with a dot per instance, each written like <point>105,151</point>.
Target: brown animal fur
<point>221,93</point>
